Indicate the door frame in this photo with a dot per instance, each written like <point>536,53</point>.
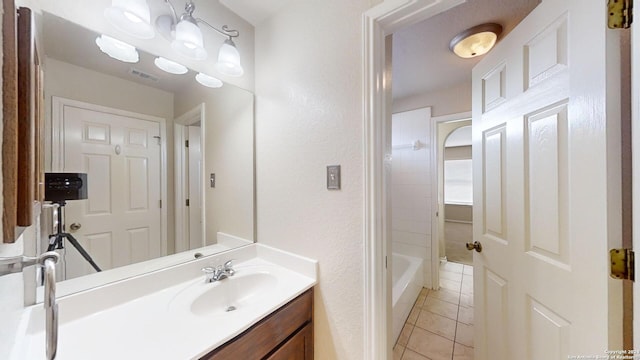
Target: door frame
<point>182,211</point>
<point>57,114</point>
<point>635,143</point>
<point>378,22</point>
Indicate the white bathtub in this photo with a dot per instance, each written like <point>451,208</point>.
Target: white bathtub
<point>407,277</point>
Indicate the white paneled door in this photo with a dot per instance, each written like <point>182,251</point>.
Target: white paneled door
<point>546,179</point>
<point>120,223</point>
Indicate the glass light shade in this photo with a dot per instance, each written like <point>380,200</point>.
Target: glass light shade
<point>169,66</point>
<point>208,81</point>
<point>475,45</point>
<point>132,17</point>
<point>117,49</point>
<point>475,41</point>
<point>229,59</point>
<point>188,41</point>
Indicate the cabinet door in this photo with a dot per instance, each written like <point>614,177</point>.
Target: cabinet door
<point>299,347</point>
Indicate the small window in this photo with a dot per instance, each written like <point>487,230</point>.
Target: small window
<point>458,184</point>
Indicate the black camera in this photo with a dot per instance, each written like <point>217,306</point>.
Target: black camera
<point>65,186</point>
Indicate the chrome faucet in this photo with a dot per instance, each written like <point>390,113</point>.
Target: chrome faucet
<point>218,273</point>
<point>48,261</point>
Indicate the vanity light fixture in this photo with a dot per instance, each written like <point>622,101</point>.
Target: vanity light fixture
<point>187,39</point>
<point>132,17</point>
<point>169,66</point>
<point>208,81</point>
<point>475,41</point>
<point>117,49</point>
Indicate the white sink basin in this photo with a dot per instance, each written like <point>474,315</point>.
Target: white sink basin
<point>224,297</point>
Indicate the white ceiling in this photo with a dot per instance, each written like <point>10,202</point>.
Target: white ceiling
<point>76,45</point>
<point>422,61</point>
<point>254,11</point>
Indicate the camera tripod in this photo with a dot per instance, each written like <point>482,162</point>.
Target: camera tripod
<point>55,240</point>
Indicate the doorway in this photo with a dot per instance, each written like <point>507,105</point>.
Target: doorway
<point>189,224</point>
<point>543,23</point>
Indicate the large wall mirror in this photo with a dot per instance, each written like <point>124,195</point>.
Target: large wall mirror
<point>169,162</point>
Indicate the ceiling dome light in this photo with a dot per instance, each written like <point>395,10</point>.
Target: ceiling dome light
<point>117,49</point>
<point>188,39</point>
<point>169,66</point>
<point>208,81</point>
<point>132,17</point>
<point>229,59</point>
<point>476,41</point>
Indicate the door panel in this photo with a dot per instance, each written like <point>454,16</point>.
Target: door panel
<point>545,161</point>
<point>120,220</point>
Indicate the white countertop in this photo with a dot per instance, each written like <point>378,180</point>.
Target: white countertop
<point>148,317</point>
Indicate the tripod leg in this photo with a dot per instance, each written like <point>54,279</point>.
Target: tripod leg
<point>81,250</point>
<point>55,242</point>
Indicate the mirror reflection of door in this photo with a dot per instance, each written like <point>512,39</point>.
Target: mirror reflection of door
<point>188,130</point>
<point>120,222</point>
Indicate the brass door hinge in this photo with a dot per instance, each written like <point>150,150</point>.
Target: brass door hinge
<point>622,264</point>
<point>620,14</point>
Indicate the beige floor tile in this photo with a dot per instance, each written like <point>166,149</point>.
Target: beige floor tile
<point>428,344</point>
<point>466,300</point>
<point>450,285</point>
<point>464,334</point>
<point>403,339</point>
<point>445,295</point>
<point>451,266</point>
<point>420,301</point>
<point>465,315</point>
<point>413,315</point>
<point>437,324</point>
<point>398,350</point>
<point>441,308</point>
<point>468,270</point>
<point>461,352</point>
<point>448,275</point>
<point>467,279</point>
<point>410,355</point>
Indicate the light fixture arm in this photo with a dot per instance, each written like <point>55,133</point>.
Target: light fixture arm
<point>225,29</point>
<point>173,11</point>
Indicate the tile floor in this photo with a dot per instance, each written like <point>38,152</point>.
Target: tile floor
<point>440,325</point>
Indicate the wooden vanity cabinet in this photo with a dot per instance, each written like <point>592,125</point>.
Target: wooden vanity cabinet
<point>286,334</point>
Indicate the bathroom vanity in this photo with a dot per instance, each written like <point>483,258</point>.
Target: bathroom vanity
<point>264,310</point>
<point>285,334</point>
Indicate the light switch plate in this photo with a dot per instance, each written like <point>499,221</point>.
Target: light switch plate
<point>333,177</point>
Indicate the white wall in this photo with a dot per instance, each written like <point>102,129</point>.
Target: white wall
<point>411,184</point>
<point>309,115</point>
<point>228,152</point>
<point>453,100</point>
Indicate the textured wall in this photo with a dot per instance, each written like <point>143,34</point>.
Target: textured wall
<point>309,115</point>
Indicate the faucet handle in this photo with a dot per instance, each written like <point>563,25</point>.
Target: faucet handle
<point>209,273</point>
<point>228,267</point>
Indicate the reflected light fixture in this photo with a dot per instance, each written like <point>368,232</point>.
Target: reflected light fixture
<point>132,17</point>
<point>208,80</point>
<point>187,39</point>
<point>117,49</point>
<point>475,41</point>
<point>169,66</point>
